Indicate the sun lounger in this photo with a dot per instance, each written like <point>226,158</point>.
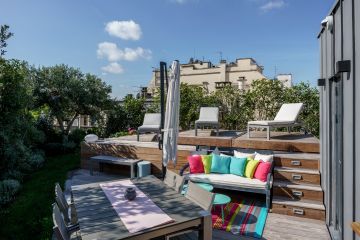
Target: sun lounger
<point>209,117</point>
<point>286,117</point>
<point>151,124</point>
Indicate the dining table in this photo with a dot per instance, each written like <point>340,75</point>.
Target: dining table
<point>98,219</point>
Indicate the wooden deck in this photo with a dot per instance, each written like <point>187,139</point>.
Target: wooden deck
<point>279,141</point>
<point>277,226</point>
<point>296,190</point>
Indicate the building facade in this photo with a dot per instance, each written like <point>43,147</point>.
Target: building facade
<point>339,87</point>
<point>286,79</point>
<point>238,74</point>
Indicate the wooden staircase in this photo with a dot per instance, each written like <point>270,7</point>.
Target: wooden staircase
<point>296,189</point>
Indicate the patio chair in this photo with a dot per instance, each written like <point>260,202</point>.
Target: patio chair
<point>151,124</point>
<point>60,230</point>
<point>286,117</point>
<point>209,117</point>
<point>174,180</point>
<point>68,210</point>
<point>199,196</point>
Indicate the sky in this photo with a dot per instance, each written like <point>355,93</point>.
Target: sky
<point>121,41</point>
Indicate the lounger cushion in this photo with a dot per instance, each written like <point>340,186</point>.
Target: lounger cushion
<point>237,166</point>
<point>270,123</point>
<point>206,122</point>
<point>149,128</point>
<point>220,164</point>
<point>206,159</point>
<point>195,164</point>
<point>229,180</point>
<point>251,166</point>
<point>262,170</point>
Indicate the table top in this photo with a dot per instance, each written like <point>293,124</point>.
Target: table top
<point>98,219</point>
<point>221,199</point>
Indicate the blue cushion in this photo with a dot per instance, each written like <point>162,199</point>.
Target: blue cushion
<point>237,166</point>
<point>220,164</point>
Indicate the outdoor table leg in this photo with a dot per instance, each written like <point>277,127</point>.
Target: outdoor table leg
<point>205,232</point>
<point>132,171</point>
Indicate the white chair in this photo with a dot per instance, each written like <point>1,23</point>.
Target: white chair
<point>209,117</point>
<point>286,117</point>
<point>151,124</point>
<point>61,231</point>
<point>68,210</point>
<point>174,181</point>
<point>202,198</point>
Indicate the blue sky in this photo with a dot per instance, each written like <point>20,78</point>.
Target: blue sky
<point>120,41</point>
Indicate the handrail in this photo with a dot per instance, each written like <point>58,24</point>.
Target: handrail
<point>356,227</point>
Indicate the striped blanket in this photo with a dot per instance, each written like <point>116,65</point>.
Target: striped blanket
<point>246,218</point>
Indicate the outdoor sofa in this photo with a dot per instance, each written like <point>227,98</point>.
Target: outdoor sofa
<point>286,117</point>
<point>234,182</point>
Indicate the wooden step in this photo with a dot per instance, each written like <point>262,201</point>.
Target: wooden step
<point>297,175</point>
<point>293,191</point>
<point>297,160</point>
<point>303,208</point>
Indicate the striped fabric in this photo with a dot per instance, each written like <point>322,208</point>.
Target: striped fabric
<point>246,218</point>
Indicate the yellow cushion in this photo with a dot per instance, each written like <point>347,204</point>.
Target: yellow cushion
<point>206,159</point>
<point>251,167</point>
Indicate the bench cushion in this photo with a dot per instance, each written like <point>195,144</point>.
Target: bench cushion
<point>229,180</point>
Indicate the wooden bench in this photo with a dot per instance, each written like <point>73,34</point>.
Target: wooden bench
<point>114,160</point>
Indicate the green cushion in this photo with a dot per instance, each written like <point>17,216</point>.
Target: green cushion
<point>237,166</point>
<point>206,159</point>
<point>220,164</point>
<point>251,167</point>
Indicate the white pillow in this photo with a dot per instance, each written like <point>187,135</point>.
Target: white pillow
<point>243,154</point>
<point>91,138</point>
<point>265,158</point>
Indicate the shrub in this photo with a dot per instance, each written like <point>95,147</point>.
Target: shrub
<point>77,136</point>
<point>8,189</point>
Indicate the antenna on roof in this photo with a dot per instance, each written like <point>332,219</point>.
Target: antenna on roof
<point>220,54</point>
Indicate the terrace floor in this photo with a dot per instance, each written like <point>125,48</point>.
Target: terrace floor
<point>277,226</point>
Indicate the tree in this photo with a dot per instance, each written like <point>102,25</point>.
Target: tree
<point>135,110</point>
<point>308,95</point>
<point>4,36</point>
<point>18,135</point>
<point>267,96</point>
<point>68,93</point>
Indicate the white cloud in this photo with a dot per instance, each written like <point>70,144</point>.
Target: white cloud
<point>272,4</point>
<point>127,30</point>
<point>113,67</point>
<point>113,53</point>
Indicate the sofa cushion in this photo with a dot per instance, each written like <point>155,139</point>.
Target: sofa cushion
<point>195,164</point>
<point>227,180</point>
<point>251,167</point>
<point>206,159</point>
<point>262,170</point>
<point>239,154</point>
<point>237,166</point>
<point>220,164</point>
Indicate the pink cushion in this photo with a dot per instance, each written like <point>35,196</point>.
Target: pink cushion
<point>196,164</point>
<point>262,170</point>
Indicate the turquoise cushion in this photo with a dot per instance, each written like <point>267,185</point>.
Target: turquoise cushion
<point>237,166</point>
<point>220,164</point>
